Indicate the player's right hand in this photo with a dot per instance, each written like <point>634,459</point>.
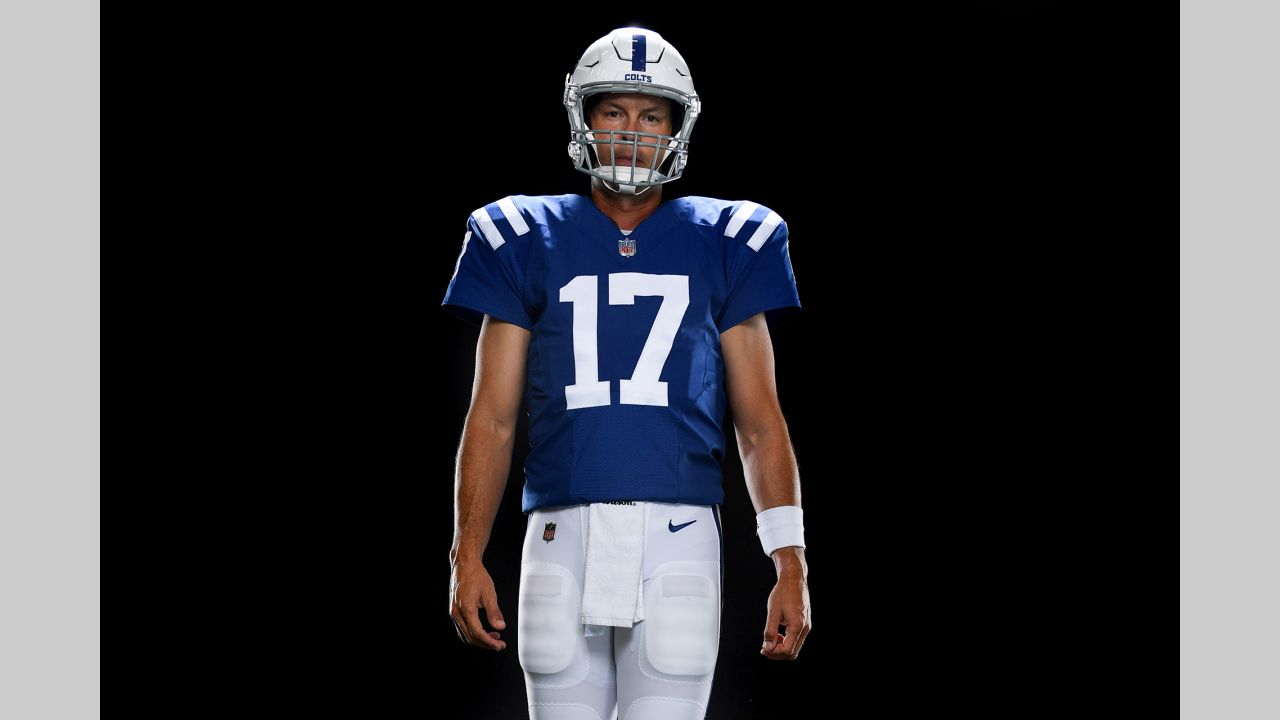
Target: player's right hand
<point>471,588</point>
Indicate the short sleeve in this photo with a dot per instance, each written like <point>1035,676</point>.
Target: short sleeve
<point>487,279</point>
<point>760,276</point>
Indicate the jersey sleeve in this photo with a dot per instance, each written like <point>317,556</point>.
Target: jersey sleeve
<point>759,268</point>
<point>488,278</point>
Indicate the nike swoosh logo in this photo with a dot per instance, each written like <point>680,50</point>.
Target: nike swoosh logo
<point>681,526</point>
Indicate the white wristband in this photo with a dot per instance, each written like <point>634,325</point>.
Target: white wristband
<point>781,526</point>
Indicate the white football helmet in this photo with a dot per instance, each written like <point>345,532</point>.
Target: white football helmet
<point>631,60</point>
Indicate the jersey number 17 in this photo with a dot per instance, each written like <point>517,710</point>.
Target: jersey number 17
<point>644,387</point>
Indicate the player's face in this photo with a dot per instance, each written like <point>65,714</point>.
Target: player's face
<point>629,113</point>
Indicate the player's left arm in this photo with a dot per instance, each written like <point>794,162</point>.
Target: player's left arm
<point>769,464</point>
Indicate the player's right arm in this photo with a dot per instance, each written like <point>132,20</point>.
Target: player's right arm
<point>484,459</point>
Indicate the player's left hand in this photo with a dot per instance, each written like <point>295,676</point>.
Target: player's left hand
<point>788,606</point>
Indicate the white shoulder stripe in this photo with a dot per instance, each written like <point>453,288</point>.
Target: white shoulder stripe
<point>487,227</point>
<point>513,216</point>
<point>764,231</point>
<point>740,217</point>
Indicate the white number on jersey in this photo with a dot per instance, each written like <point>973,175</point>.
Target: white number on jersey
<point>588,390</point>
<point>644,387</point>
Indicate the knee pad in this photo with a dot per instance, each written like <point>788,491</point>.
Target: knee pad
<point>548,627</point>
<point>682,618</point>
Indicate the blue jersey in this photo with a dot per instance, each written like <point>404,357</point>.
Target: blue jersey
<point>626,382</point>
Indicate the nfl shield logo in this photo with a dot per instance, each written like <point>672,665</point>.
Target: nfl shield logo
<point>626,247</point>
<point>549,532</point>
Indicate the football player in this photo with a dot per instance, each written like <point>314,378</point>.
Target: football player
<point>629,325</point>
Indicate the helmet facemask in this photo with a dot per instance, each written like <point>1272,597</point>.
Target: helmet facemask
<point>595,151</point>
<point>607,146</point>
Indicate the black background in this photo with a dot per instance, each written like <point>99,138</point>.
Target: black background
<point>926,163</point>
<point>968,192</point>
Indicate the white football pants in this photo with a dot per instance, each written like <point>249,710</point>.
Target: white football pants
<point>659,669</point>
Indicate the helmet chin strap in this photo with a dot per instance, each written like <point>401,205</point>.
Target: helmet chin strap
<point>626,189</point>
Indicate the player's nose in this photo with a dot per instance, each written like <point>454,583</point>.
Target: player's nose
<point>631,127</point>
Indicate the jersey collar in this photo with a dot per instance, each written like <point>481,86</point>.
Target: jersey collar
<point>651,228</point>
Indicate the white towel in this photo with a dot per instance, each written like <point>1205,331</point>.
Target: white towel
<point>614,565</point>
